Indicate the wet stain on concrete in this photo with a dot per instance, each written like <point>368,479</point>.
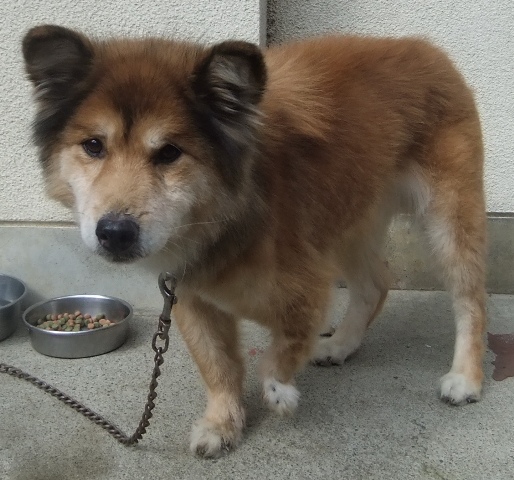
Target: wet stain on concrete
<point>503,346</point>
<point>255,351</point>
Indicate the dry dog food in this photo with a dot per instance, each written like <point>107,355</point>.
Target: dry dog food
<point>73,322</point>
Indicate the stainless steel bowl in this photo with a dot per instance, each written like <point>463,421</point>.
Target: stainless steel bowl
<point>84,343</point>
<point>12,292</point>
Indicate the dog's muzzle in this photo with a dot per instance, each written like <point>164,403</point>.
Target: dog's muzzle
<point>118,234</point>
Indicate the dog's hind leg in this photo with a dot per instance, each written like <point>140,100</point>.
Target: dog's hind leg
<point>213,340</point>
<point>456,227</point>
<point>367,279</point>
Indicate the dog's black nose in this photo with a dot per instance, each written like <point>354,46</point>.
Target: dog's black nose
<point>117,234</point>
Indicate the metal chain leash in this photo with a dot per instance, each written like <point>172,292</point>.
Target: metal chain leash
<point>168,293</point>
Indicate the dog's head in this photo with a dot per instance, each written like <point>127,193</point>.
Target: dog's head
<point>149,141</point>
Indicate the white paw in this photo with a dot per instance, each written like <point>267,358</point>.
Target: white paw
<point>280,397</point>
<point>327,331</point>
<point>456,389</point>
<point>328,352</point>
<point>208,440</point>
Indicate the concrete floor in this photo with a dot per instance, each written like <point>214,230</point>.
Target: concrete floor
<point>376,417</point>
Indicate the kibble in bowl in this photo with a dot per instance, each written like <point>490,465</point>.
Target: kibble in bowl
<point>73,322</point>
<point>78,326</point>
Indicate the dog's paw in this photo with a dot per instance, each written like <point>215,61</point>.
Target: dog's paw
<point>209,440</point>
<point>328,331</point>
<point>280,397</point>
<point>327,352</point>
<point>456,389</point>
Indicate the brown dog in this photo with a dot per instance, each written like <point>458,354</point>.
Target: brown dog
<point>265,176</point>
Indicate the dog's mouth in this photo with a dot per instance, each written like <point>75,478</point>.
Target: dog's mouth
<point>125,257</point>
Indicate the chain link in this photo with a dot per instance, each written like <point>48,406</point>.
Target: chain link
<point>168,294</point>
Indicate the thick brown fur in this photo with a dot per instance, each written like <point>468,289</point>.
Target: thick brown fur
<point>291,164</point>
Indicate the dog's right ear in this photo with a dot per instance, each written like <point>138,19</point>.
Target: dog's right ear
<point>58,62</point>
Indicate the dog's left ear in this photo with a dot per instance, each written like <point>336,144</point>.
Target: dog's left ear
<point>228,85</point>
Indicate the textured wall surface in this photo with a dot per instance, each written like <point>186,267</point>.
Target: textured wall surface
<point>21,192</point>
<point>478,35</point>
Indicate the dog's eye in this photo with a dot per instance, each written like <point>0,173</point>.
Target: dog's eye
<point>93,147</point>
<point>167,154</point>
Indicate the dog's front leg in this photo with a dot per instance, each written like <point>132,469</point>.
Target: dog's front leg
<point>294,337</point>
<point>212,338</point>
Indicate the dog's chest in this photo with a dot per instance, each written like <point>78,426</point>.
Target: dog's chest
<point>245,298</point>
